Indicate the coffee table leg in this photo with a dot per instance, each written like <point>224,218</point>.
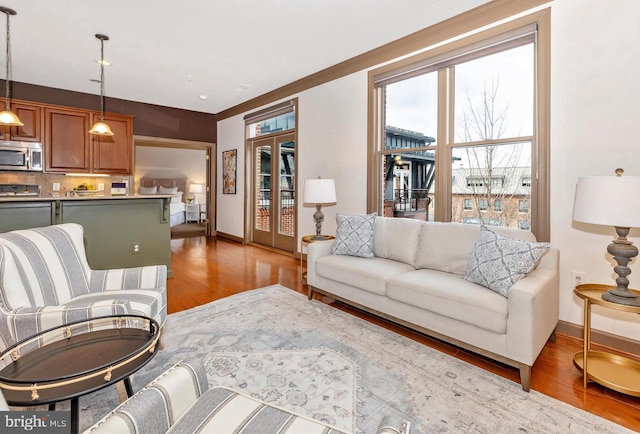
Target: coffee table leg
<point>128,388</point>
<point>75,428</point>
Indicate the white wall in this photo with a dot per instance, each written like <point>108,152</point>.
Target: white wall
<point>595,105</point>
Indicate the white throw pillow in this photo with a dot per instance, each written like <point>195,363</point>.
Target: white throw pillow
<point>498,262</point>
<point>167,190</point>
<point>147,190</point>
<point>354,235</point>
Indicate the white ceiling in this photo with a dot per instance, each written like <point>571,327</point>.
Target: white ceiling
<point>171,52</point>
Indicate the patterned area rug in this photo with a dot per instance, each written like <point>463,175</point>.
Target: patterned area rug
<point>276,345</point>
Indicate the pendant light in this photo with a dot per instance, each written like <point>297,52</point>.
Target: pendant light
<point>7,117</point>
<point>101,128</point>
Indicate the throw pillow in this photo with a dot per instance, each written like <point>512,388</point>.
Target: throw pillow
<point>167,190</point>
<point>147,190</point>
<point>354,235</point>
<point>498,262</point>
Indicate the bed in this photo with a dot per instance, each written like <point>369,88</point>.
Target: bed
<point>177,187</point>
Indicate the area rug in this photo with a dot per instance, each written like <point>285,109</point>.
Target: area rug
<point>311,358</point>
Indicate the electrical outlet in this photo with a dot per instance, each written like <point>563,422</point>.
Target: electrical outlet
<point>135,248</point>
<point>56,186</point>
<point>101,186</point>
<point>578,278</point>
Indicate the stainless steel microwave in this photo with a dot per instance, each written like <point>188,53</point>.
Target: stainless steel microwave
<point>25,156</point>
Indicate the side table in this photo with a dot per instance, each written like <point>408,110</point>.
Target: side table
<point>78,358</point>
<point>192,212</point>
<point>306,240</point>
<point>615,372</point>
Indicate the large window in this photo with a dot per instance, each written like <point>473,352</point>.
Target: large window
<point>460,137</point>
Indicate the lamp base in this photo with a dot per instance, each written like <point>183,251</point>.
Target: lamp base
<point>621,296</point>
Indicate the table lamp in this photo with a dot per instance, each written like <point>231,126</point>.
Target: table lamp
<point>195,189</point>
<point>613,201</point>
<point>319,192</point>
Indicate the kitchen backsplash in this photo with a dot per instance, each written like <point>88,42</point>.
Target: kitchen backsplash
<point>67,183</point>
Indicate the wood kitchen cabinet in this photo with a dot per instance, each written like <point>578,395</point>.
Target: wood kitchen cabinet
<point>31,116</point>
<point>69,148</point>
<point>66,140</point>
<point>113,154</point>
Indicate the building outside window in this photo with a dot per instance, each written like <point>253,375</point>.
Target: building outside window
<point>497,205</point>
<point>468,204</point>
<point>523,205</point>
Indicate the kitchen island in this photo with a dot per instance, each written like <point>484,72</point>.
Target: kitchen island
<point>119,231</point>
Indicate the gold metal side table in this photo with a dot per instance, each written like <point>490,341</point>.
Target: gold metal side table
<point>306,240</point>
<point>615,372</point>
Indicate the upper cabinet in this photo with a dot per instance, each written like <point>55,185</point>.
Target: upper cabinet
<point>31,117</point>
<point>113,154</point>
<point>69,148</point>
<point>66,140</point>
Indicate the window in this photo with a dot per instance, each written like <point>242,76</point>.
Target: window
<point>523,224</point>
<point>472,111</point>
<point>523,205</point>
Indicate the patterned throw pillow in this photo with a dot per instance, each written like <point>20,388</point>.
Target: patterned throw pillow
<point>498,262</point>
<point>354,235</point>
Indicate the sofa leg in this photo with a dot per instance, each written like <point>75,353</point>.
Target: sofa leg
<point>525,377</point>
<point>310,293</point>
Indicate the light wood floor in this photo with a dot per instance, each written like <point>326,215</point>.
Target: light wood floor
<point>206,269</point>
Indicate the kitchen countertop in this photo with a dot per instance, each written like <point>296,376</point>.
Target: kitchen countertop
<point>81,197</point>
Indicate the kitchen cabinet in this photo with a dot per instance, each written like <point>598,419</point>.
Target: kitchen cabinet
<point>113,154</point>
<point>31,117</point>
<point>69,148</point>
<point>66,140</point>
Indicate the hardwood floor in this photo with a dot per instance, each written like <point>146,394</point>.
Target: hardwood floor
<point>206,269</point>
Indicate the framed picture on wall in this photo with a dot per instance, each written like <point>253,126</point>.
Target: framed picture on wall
<point>229,165</point>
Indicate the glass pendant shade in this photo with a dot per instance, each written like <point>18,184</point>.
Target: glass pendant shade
<point>99,129</point>
<point>7,117</point>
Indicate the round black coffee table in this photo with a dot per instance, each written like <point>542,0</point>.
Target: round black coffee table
<point>66,362</point>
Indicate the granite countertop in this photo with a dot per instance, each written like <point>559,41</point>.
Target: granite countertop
<point>96,196</point>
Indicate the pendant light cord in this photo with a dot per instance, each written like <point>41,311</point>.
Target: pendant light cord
<point>8,57</point>
<point>101,80</point>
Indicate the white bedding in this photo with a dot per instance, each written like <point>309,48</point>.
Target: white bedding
<point>176,213</point>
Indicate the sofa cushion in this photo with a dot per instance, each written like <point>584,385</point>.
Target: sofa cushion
<point>451,296</point>
<point>497,262</point>
<point>397,239</point>
<point>354,235</point>
<point>366,274</point>
<point>447,246</point>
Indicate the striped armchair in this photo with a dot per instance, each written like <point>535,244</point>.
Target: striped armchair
<point>46,281</point>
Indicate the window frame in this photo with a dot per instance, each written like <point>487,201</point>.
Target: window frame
<point>540,158</point>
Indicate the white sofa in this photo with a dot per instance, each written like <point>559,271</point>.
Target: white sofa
<point>416,279</point>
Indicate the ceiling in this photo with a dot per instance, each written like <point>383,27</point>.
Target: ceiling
<point>175,54</point>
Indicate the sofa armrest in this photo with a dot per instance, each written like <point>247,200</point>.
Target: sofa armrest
<point>150,276</point>
<point>156,407</point>
<point>24,322</point>
<point>534,309</point>
<point>315,251</point>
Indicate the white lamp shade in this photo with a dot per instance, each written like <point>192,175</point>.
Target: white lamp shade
<point>195,188</point>
<point>319,191</point>
<point>608,200</point>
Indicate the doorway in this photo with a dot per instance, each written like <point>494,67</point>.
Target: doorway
<point>273,192</point>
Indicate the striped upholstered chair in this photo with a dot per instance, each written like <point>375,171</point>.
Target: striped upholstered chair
<point>46,281</point>
<point>180,401</point>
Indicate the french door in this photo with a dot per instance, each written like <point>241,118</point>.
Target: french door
<point>273,192</point>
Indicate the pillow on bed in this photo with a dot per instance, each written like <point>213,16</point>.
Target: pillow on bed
<point>167,190</point>
<point>177,198</point>
<point>147,190</point>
